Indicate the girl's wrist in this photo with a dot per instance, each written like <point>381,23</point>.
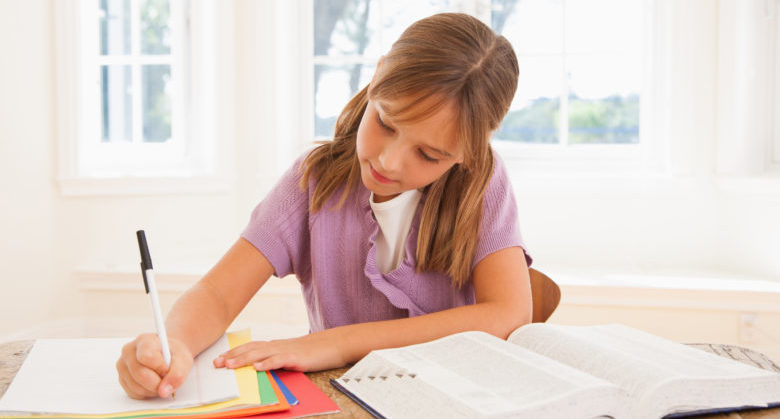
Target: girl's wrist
<point>357,341</point>
<point>344,344</point>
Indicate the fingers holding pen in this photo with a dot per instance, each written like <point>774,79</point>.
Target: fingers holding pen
<point>139,380</point>
<point>143,372</point>
<point>148,352</point>
<point>131,387</point>
<point>181,363</point>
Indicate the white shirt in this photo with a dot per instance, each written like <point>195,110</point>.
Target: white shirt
<point>395,219</point>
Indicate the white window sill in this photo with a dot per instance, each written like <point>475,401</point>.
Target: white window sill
<point>610,178</point>
<point>766,184</point>
<point>130,186</point>
<point>702,291</point>
<point>604,163</point>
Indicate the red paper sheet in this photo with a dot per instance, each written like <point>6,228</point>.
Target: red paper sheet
<point>311,400</point>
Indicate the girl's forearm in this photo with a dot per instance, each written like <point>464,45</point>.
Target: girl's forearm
<point>198,318</point>
<point>204,312</point>
<point>499,319</point>
<point>503,303</point>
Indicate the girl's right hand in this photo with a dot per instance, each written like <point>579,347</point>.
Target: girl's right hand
<point>142,370</point>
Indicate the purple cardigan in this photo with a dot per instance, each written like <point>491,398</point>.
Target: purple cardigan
<point>333,252</point>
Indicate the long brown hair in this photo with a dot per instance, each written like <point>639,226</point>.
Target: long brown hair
<point>453,58</point>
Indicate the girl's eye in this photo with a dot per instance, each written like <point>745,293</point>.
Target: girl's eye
<point>427,157</point>
<point>383,125</point>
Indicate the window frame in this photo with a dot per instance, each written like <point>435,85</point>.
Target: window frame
<point>291,76</point>
<point>612,156</point>
<point>645,156</point>
<point>187,164</point>
<point>97,158</point>
<point>747,90</point>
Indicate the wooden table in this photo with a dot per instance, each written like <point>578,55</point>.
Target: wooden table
<point>12,355</point>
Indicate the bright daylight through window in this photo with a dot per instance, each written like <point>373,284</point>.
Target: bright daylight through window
<point>580,62</point>
<point>135,71</point>
<point>127,73</point>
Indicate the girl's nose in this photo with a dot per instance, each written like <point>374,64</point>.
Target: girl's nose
<point>391,158</point>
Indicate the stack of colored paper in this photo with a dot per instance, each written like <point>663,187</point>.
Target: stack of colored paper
<point>68,378</point>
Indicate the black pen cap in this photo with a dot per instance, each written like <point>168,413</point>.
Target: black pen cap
<point>146,259</point>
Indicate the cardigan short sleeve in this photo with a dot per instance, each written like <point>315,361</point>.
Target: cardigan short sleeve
<point>278,226</point>
<point>499,228</point>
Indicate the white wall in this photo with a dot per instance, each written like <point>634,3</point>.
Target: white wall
<point>29,275</point>
<point>50,237</point>
<point>71,257</point>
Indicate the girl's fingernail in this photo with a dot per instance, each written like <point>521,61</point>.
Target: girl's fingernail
<point>258,366</point>
<point>167,390</point>
<point>229,363</point>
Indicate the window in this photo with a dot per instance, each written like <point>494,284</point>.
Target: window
<point>349,38</point>
<point>139,75</point>
<point>581,70</point>
<point>135,64</point>
<point>127,71</point>
<point>579,85</point>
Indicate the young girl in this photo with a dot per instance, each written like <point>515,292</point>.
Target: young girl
<point>401,230</point>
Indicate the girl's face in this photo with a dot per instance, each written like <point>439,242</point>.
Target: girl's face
<point>396,157</point>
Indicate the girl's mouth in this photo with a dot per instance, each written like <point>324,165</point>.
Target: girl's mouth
<point>379,178</point>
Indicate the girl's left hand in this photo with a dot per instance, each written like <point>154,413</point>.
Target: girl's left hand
<point>313,352</point>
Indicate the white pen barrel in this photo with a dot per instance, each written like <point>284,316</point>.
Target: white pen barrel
<point>158,318</point>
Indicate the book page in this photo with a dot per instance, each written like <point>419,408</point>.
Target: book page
<point>78,376</point>
<point>641,363</point>
<point>474,374</point>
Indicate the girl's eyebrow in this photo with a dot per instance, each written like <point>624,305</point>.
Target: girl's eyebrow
<point>388,119</point>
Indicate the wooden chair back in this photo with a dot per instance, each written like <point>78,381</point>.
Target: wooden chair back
<point>545,295</point>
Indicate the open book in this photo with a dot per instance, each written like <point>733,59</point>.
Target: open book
<point>554,371</point>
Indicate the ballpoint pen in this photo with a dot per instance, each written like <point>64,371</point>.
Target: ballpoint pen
<point>151,290</point>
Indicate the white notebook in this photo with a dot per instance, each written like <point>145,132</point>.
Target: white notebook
<point>78,376</point>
